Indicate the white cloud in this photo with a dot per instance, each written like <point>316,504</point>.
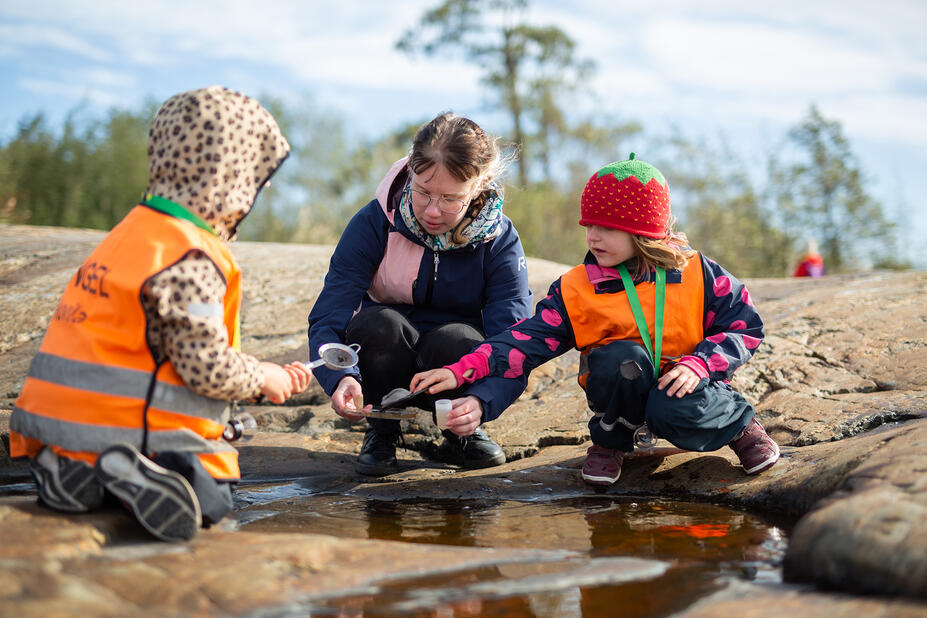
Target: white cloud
<point>105,78</point>
<point>76,92</point>
<point>883,116</point>
<point>735,57</point>
<point>726,62</point>
<point>721,65</point>
<point>311,41</point>
<point>24,38</point>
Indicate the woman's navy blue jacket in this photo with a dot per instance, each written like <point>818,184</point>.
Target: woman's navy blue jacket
<point>379,261</point>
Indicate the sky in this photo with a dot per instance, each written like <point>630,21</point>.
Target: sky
<point>746,71</point>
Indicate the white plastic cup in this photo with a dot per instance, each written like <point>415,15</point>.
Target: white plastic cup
<point>442,407</point>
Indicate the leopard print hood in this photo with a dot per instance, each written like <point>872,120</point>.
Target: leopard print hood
<point>211,151</point>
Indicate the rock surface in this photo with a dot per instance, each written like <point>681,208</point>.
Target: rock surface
<point>840,382</point>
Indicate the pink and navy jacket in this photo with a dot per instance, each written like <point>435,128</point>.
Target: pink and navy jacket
<point>379,261</point>
<point>731,327</point>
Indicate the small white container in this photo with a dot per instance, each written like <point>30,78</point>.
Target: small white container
<point>442,407</point>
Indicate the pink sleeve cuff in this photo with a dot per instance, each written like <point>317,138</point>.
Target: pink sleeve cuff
<point>696,364</point>
<point>479,363</point>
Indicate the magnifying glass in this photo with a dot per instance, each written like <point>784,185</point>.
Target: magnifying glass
<point>336,356</point>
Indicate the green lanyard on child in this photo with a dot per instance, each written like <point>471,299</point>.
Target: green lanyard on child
<point>654,350</point>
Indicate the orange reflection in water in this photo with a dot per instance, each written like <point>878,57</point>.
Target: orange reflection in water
<point>698,531</point>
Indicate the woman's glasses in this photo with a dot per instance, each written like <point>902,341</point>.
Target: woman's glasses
<point>448,205</point>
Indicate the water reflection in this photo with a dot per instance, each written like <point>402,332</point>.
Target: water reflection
<point>632,557</point>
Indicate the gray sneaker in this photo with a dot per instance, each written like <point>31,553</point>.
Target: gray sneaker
<point>65,484</point>
<point>162,500</point>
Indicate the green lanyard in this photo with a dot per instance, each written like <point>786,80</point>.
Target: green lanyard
<point>654,350</point>
<point>175,210</point>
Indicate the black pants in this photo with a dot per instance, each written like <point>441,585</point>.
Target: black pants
<point>215,497</point>
<point>704,420</point>
<point>393,350</point>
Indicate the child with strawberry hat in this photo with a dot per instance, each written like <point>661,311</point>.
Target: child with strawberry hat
<point>660,327</point>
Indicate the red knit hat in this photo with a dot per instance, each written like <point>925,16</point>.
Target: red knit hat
<point>627,195</point>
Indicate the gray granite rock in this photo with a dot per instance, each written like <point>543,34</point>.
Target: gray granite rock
<point>840,382</point>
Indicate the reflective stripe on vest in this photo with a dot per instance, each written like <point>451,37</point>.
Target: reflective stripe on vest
<point>88,384</point>
<point>599,319</point>
<point>95,438</point>
<point>125,383</point>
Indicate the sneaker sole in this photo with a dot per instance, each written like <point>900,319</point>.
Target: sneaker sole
<point>765,464</point>
<point>600,480</point>
<point>65,484</point>
<point>162,500</point>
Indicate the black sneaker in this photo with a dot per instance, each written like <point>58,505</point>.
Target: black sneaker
<point>477,450</point>
<point>163,500</point>
<point>65,484</point>
<point>378,454</point>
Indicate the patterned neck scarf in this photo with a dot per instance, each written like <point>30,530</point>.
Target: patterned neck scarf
<point>486,225</point>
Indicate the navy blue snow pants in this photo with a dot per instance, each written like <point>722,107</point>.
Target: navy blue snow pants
<point>704,420</point>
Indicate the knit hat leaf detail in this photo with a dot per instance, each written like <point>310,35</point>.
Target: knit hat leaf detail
<point>644,172</point>
<point>629,195</point>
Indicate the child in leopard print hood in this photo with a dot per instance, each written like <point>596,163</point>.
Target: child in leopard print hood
<point>130,393</point>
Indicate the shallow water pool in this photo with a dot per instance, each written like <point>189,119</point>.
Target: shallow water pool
<point>602,555</point>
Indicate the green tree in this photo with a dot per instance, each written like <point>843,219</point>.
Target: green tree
<point>528,67</point>
<point>116,170</point>
<point>30,183</point>
<point>88,176</point>
<point>546,218</point>
<point>546,213</point>
<point>332,173</point>
<point>272,216</point>
<point>721,212</point>
<point>820,191</point>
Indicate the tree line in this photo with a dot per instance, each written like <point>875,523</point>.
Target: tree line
<point>91,171</point>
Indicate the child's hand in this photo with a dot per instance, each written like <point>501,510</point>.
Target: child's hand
<point>436,380</point>
<point>300,375</point>
<point>680,381</point>
<point>278,383</point>
<point>465,416</point>
<point>348,398</point>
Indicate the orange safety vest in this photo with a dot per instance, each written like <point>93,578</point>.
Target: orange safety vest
<point>599,319</point>
<point>94,375</point>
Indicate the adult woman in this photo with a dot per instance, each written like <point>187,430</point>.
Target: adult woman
<point>419,275</point>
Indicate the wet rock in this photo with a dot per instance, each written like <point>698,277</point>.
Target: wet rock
<point>747,600</point>
<point>840,382</point>
<point>219,573</point>
<point>870,534</point>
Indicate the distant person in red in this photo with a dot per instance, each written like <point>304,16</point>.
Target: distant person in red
<point>811,265</point>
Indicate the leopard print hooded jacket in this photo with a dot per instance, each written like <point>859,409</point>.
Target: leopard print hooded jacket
<point>211,151</point>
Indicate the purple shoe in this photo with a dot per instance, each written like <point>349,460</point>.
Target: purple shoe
<point>603,465</point>
<point>755,449</point>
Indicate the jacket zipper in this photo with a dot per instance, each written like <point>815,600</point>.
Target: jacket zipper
<point>433,279</point>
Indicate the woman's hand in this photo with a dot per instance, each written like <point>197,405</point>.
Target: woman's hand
<point>465,416</point>
<point>348,398</point>
<point>678,381</point>
<point>436,380</point>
